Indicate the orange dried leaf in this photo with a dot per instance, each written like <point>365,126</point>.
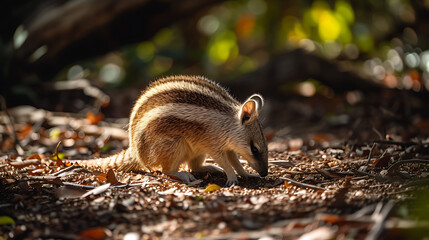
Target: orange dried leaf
<point>94,118</point>
<point>94,233</point>
<point>105,103</point>
<point>320,137</point>
<point>212,188</point>
<point>320,191</point>
<point>415,76</point>
<point>34,156</point>
<point>288,185</point>
<point>330,218</point>
<point>102,177</point>
<point>59,163</point>
<point>24,132</point>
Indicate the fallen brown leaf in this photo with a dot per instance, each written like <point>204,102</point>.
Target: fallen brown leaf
<point>111,178</point>
<point>94,118</point>
<point>97,233</point>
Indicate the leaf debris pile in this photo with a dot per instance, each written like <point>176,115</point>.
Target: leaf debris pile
<point>314,192</point>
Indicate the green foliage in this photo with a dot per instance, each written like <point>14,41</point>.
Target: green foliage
<point>416,209</point>
<point>236,37</point>
<point>4,220</point>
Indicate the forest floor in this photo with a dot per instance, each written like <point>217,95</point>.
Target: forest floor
<point>319,187</point>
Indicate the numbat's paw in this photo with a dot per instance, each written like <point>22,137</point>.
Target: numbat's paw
<point>232,181</point>
<point>186,177</point>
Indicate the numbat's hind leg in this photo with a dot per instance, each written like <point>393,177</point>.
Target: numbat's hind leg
<point>171,155</point>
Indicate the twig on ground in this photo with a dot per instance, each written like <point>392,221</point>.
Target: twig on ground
<point>42,178</point>
<point>300,184</point>
<point>299,172</point>
<point>329,173</point>
<point>402,144</point>
<point>67,169</point>
<point>78,185</point>
<point>370,153</point>
<point>396,165</point>
<point>380,219</point>
<point>24,163</point>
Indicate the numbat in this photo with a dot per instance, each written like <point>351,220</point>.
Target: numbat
<point>182,119</point>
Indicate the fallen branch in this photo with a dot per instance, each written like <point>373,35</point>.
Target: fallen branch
<point>402,144</point>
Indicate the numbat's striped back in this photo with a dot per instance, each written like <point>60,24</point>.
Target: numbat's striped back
<point>180,119</point>
<point>187,90</point>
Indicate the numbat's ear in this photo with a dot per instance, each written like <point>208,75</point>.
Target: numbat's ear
<point>258,98</point>
<point>251,108</point>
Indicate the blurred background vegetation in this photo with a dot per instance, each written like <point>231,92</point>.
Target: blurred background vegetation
<point>383,41</point>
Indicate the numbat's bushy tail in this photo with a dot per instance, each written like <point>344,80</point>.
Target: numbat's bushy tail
<point>182,119</point>
<point>121,161</point>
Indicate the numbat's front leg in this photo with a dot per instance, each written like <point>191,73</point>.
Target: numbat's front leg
<point>222,160</point>
<point>235,163</point>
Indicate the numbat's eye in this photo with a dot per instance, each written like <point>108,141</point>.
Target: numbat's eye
<point>254,150</point>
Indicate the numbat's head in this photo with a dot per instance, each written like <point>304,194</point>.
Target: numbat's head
<point>253,145</point>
